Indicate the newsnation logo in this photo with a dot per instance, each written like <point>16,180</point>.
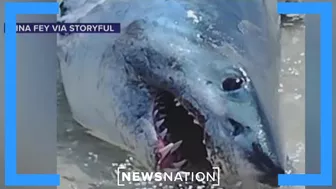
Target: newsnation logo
<point>125,177</point>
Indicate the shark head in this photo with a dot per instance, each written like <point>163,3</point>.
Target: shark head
<point>202,100</point>
<point>200,74</point>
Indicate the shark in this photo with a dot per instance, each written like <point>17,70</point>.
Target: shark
<point>187,85</point>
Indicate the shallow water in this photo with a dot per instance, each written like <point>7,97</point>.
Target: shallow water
<point>85,162</point>
<point>292,89</point>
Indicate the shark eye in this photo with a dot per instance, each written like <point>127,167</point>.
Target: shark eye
<point>232,83</point>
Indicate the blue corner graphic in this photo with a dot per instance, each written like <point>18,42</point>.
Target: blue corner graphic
<point>11,177</point>
<point>324,9</point>
<point>14,179</point>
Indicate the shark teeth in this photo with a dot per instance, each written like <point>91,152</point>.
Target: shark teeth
<point>169,156</point>
<point>171,147</point>
<point>160,116</point>
<point>163,133</point>
<point>179,164</point>
<point>156,112</point>
<point>177,102</point>
<point>196,122</point>
<point>176,146</point>
<point>165,150</point>
<point>168,149</point>
<point>160,122</point>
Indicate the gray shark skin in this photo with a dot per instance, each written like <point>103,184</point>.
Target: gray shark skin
<point>186,85</point>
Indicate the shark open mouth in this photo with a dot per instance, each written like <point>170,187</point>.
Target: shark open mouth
<point>181,133</point>
<point>181,147</point>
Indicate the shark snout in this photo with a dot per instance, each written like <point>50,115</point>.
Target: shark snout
<point>258,152</point>
<point>268,166</point>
